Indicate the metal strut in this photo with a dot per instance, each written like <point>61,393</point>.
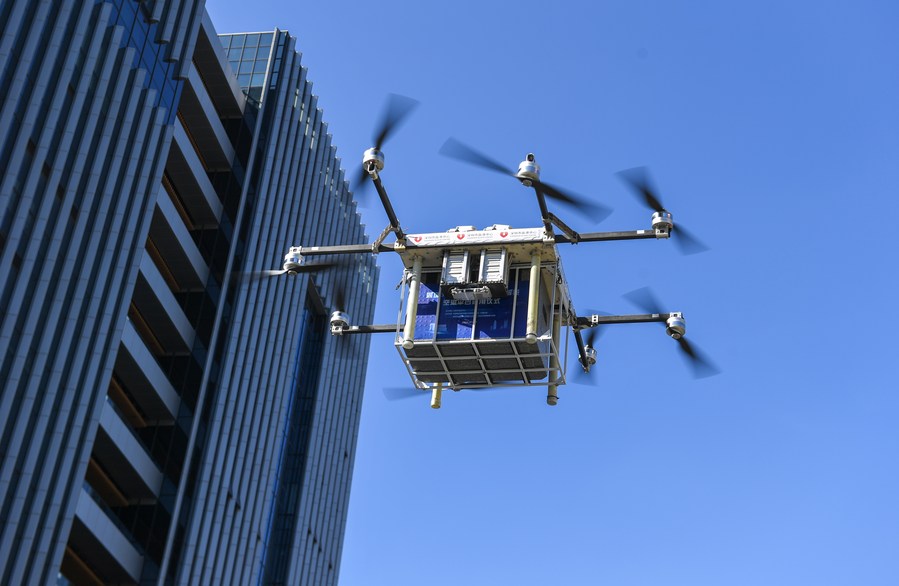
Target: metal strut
<point>380,239</point>
<point>385,201</point>
<point>572,235</point>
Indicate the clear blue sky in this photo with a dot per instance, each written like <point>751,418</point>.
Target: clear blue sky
<point>772,130</point>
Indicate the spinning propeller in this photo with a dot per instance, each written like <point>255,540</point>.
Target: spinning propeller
<point>701,365</point>
<point>454,149</point>
<point>590,337</point>
<point>309,267</point>
<point>639,181</point>
<point>400,393</point>
<point>395,111</point>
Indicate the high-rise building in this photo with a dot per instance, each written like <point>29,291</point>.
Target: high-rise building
<point>170,413</point>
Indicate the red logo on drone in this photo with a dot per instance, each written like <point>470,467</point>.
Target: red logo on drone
<point>503,234</point>
<point>416,238</point>
<point>460,236</point>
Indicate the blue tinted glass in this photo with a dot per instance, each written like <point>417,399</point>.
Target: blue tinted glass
<point>138,36</point>
<point>225,40</point>
<point>261,64</point>
<point>128,12</point>
<point>151,39</point>
<point>262,52</point>
<point>252,40</point>
<point>147,63</point>
<point>159,80</point>
<point>237,40</point>
<point>246,67</point>
<point>257,80</point>
<point>234,53</point>
<point>175,98</point>
<point>243,80</point>
<point>265,39</point>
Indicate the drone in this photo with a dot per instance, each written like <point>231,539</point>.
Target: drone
<point>486,308</point>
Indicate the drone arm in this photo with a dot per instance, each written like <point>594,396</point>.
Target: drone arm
<point>373,329</point>
<point>581,350</point>
<point>544,211</point>
<point>603,236</point>
<point>388,208</point>
<point>344,249</point>
<point>598,320</point>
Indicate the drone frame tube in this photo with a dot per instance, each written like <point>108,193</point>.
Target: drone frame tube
<point>597,320</point>
<point>436,395</point>
<point>388,208</point>
<point>605,236</point>
<point>412,304</point>
<point>533,299</point>
<point>552,394</point>
<point>581,350</point>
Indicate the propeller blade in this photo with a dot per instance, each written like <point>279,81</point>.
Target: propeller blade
<point>454,149</point>
<point>258,275</point>
<point>686,241</point>
<point>485,389</point>
<point>360,184</point>
<point>400,393</point>
<point>253,276</point>
<point>702,366</point>
<point>638,180</point>
<point>591,337</point>
<point>593,210</point>
<point>309,267</point>
<point>699,362</point>
<point>339,299</point>
<point>645,299</point>
<point>577,376</point>
<point>395,111</point>
<point>313,267</point>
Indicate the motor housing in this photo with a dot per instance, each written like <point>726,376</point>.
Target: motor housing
<point>662,222</point>
<point>373,159</point>
<point>528,171</point>
<point>590,353</point>
<point>293,260</point>
<point>676,325</point>
<point>340,322</point>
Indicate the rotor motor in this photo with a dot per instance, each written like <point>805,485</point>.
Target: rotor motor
<point>340,321</point>
<point>528,170</point>
<point>373,160</point>
<point>590,353</point>
<point>676,325</point>
<point>293,260</point>
<point>662,221</point>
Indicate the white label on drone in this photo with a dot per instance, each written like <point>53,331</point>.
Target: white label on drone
<point>474,237</point>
